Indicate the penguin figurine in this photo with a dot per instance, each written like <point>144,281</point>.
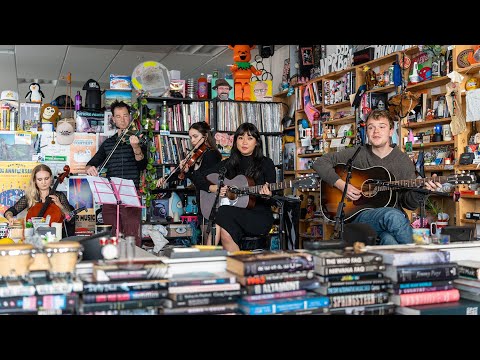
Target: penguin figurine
<point>35,93</point>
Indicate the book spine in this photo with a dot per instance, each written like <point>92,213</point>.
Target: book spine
<point>106,287</point>
<point>17,290</point>
<point>213,309</point>
<point>124,296</point>
<point>227,280</point>
<point>274,277</point>
<point>282,286</point>
<point>469,272</point>
<point>201,301</point>
<point>421,289</point>
<point>278,295</point>
<point>283,306</point>
<point>349,260</point>
<point>352,289</point>
<point>203,288</point>
<point>59,287</point>
<point>209,294</point>
<point>421,284</point>
<point>358,282</point>
<point>361,299</point>
<point>438,257</point>
<point>43,302</point>
<point>155,272</point>
<point>351,277</point>
<point>411,274</point>
<point>124,305</point>
<point>277,265</point>
<point>379,309</point>
<point>433,297</point>
<point>354,269</point>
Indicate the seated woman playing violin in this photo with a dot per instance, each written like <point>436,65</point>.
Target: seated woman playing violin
<point>203,156</point>
<point>37,193</point>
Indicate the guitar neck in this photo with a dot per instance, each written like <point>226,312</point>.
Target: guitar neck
<point>419,182</point>
<point>277,186</point>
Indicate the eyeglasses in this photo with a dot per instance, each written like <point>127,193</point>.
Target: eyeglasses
<point>260,90</point>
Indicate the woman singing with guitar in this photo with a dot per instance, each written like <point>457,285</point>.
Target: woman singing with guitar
<point>246,158</point>
<point>38,192</point>
<point>203,156</point>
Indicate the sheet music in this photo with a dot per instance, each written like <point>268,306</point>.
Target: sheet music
<point>104,193</point>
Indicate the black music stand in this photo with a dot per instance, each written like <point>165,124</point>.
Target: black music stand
<point>280,202</point>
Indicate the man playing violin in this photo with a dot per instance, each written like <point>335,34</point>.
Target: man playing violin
<point>194,166</point>
<point>126,161</point>
<point>38,191</point>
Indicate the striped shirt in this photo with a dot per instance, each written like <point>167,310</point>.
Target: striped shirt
<point>122,164</point>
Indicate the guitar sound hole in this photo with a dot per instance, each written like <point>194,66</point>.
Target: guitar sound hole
<point>231,195</point>
<point>369,189</point>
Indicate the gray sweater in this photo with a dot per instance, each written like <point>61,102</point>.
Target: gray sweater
<point>397,163</point>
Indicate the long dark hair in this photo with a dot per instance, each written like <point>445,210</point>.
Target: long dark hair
<point>233,162</point>
<point>203,128</point>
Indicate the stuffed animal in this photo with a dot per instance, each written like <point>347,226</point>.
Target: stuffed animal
<point>49,113</point>
<point>370,77</point>
<point>35,93</point>
<point>242,70</point>
<point>400,105</point>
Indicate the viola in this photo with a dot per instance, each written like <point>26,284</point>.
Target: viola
<point>49,208</point>
<point>192,158</point>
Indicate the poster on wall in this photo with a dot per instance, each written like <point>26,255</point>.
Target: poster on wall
<point>14,178</point>
<point>261,90</point>
<point>230,93</point>
<point>53,155</point>
<point>18,146</point>
<point>82,149</point>
<point>79,195</point>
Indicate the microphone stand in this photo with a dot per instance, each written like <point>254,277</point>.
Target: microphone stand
<point>336,240</point>
<point>212,228</point>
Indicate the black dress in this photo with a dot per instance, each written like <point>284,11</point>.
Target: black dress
<point>240,222</point>
<point>197,175</point>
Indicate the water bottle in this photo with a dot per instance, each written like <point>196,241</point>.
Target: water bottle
<point>78,101</point>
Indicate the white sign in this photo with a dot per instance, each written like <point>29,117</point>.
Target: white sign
<point>384,50</point>
<point>340,60</point>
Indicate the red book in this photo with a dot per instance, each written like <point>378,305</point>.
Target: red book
<point>432,297</point>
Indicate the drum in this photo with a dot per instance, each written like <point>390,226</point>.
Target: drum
<point>63,255</point>
<point>15,259</point>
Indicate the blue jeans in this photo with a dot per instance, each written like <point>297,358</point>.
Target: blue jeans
<point>391,225</point>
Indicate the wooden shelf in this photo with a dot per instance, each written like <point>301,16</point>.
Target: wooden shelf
<point>439,167</point>
<point>467,69</point>
<point>468,167</point>
<point>336,74</point>
<point>341,121</point>
<point>429,83</point>
<point>309,171</point>
<point>470,221</point>
<point>383,60</point>
<point>330,139</point>
<point>470,197</point>
<point>383,89</point>
<point>433,144</point>
<point>289,172</point>
<point>338,105</point>
<point>426,123</point>
<point>310,155</point>
<point>281,93</point>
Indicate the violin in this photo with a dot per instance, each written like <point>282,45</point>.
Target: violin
<point>48,208</point>
<point>192,157</point>
<point>141,140</point>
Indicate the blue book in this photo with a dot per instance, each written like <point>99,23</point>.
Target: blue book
<point>277,306</point>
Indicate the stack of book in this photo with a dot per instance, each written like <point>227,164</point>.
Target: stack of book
<point>354,282</point>
<point>277,283</point>
<point>39,294</point>
<point>198,282</point>
<point>420,276</point>
<point>120,287</point>
<point>468,282</point>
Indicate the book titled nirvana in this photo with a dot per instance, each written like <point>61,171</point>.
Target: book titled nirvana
<point>269,262</point>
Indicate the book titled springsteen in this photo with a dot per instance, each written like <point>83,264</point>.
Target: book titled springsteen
<point>269,262</point>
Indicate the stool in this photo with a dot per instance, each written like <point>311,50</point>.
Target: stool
<point>254,243</point>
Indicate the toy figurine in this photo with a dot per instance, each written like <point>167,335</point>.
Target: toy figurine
<point>35,93</point>
<point>370,77</point>
<point>242,70</point>
<point>311,208</point>
<point>429,115</point>
<point>49,113</point>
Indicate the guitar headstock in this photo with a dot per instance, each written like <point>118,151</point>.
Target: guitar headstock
<point>463,178</point>
<point>309,181</point>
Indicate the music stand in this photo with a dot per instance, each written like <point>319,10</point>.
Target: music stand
<point>114,191</point>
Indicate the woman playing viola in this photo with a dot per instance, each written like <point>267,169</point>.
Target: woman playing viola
<point>38,190</point>
<point>199,133</point>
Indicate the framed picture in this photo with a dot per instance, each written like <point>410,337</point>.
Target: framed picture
<point>307,55</point>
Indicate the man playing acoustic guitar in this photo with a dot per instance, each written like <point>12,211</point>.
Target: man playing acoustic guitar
<point>389,220</point>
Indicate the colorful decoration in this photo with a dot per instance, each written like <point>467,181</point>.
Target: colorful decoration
<point>35,93</point>
<point>242,70</point>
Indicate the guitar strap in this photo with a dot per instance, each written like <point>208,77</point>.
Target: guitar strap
<point>420,163</point>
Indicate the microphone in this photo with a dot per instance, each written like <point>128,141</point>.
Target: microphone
<point>74,212</point>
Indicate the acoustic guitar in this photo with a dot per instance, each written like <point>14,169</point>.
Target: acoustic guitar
<point>241,191</point>
<point>378,189</point>
<point>48,208</point>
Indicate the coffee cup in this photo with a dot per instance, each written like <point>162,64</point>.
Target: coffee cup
<point>436,227</point>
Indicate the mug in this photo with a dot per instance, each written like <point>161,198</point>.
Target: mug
<point>434,226</point>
